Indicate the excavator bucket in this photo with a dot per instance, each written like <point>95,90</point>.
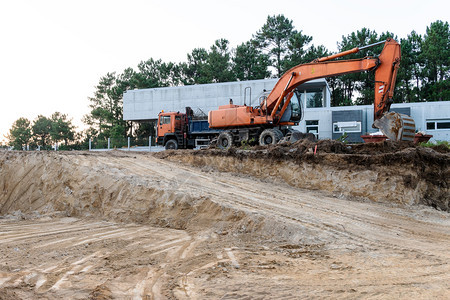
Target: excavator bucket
<point>397,127</point>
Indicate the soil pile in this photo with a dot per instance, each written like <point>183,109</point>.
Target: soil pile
<point>392,172</point>
<point>85,185</point>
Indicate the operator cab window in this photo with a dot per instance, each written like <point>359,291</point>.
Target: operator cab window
<point>164,120</point>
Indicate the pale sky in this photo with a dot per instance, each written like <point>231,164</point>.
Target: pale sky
<point>52,53</point>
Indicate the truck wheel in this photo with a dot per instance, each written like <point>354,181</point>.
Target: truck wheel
<point>225,140</point>
<point>171,145</point>
<point>268,136</point>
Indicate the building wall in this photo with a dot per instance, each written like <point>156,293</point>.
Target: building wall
<point>146,104</point>
<point>420,112</point>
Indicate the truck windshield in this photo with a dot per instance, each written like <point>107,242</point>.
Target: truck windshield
<point>164,120</point>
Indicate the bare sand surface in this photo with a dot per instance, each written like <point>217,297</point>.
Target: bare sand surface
<point>180,225</point>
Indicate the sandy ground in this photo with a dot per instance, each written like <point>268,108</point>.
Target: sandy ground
<point>133,226</point>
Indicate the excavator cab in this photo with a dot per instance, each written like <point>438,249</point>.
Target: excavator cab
<point>294,111</point>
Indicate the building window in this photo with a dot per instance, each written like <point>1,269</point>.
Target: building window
<point>341,127</point>
<point>312,126</point>
<point>312,97</point>
<point>443,124</point>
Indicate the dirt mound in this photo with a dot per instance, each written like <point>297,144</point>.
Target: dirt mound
<point>382,172</point>
<point>114,186</point>
<point>340,155</point>
<point>441,148</point>
<point>83,186</point>
<point>337,147</point>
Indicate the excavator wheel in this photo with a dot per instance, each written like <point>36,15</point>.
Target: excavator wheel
<point>225,140</point>
<point>396,126</point>
<point>269,136</point>
<point>279,134</point>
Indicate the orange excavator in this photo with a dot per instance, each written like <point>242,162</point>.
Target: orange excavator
<point>280,109</point>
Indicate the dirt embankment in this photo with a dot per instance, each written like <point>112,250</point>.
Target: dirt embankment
<point>141,227</point>
<point>398,173</point>
<point>84,185</point>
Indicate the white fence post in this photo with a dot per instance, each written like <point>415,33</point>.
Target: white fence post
<point>109,143</point>
<point>150,143</point>
<point>90,144</point>
<point>128,143</point>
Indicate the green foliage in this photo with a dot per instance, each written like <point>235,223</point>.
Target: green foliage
<point>343,138</point>
<point>195,70</point>
<point>436,143</point>
<point>274,38</point>
<point>218,67</point>
<point>409,74</point>
<point>41,128</point>
<point>277,45</point>
<point>61,129</point>
<point>43,132</point>
<point>106,105</point>
<point>118,131</point>
<point>436,59</point>
<point>249,63</point>
<point>20,133</point>
<point>151,73</point>
<point>358,83</point>
<point>297,51</point>
<point>246,144</point>
<point>314,52</point>
<point>145,129</point>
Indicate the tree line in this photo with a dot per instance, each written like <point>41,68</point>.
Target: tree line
<point>43,132</point>
<point>273,49</point>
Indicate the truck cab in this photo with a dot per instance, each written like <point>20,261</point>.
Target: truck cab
<point>171,129</point>
<point>177,130</point>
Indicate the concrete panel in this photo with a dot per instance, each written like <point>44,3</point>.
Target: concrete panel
<point>205,97</point>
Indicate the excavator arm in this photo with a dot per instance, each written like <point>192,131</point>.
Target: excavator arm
<point>306,72</point>
<point>270,112</point>
<point>395,126</point>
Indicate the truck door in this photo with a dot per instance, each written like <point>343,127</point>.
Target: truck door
<point>164,126</point>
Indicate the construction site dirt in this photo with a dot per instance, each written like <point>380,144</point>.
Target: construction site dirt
<point>283,222</point>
